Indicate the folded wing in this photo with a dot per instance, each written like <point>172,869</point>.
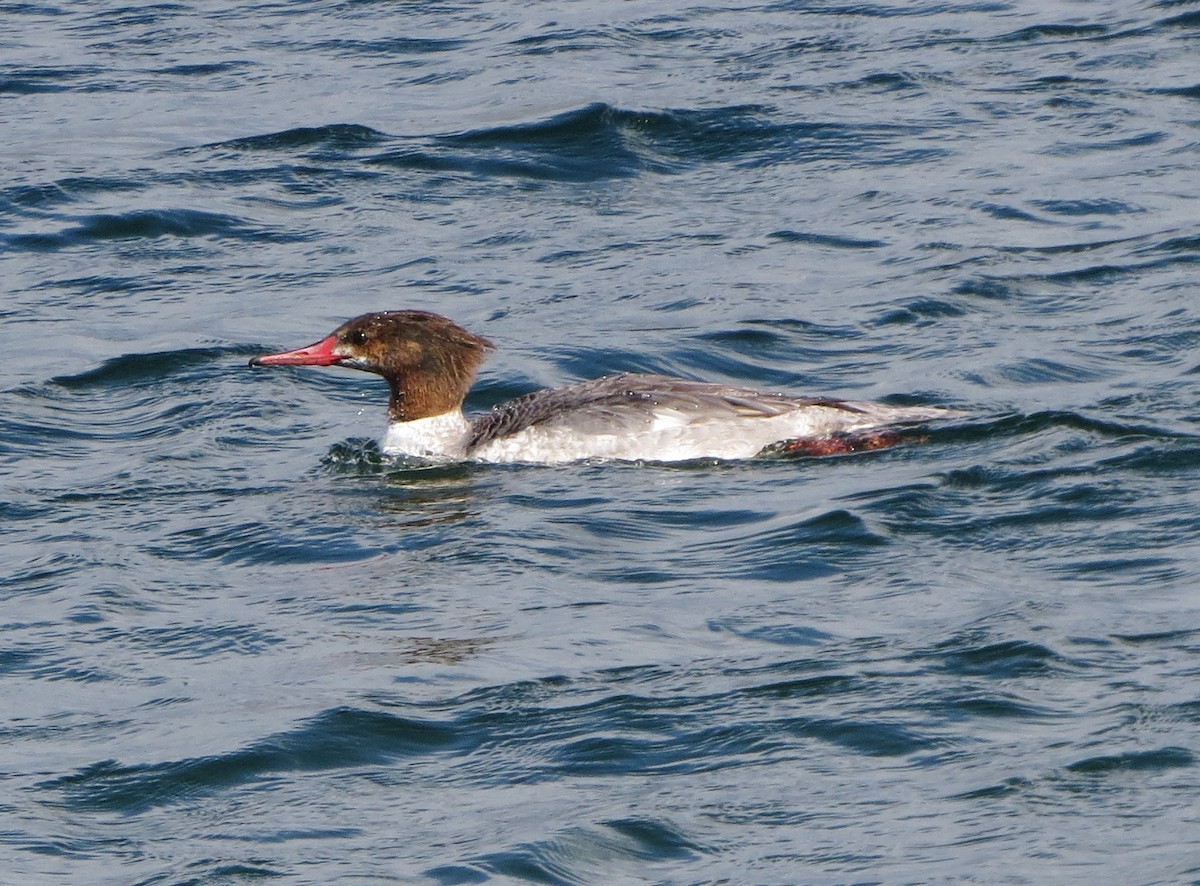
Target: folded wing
<point>629,403</point>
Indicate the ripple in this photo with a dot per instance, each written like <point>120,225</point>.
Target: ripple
<point>203,70</point>
<point>1035,370</point>
<point>342,138</point>
<point>1183,20</point>
<point>142,369</point>
<point>1049,33</point>
<point>30,81</point>
<point>490,732</point>
<point>600,141</point>
<point>192,641</point>
<point>577,854</point>
<point>1134,761</point>
<point>66,190</point>
<point>826,240</point>
<point>233,541</point>
<point>150,224</point>
<point>340,738</point>
<point>782,634</point>
<point>999,660</point>
<point>1086,207</point>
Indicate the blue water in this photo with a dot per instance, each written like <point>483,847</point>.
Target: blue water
<point>239,645</point>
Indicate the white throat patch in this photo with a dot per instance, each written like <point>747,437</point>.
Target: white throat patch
<point>440,436</point>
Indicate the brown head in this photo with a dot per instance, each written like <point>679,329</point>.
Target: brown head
<point>429,362</point>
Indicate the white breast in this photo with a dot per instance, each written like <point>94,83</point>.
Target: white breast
<point>441,436</point>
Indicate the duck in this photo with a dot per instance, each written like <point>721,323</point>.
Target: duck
<point>430,363</point>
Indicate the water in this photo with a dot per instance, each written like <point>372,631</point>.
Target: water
<point>240,645</point>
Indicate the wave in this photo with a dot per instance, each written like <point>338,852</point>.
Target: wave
<point>337,136</point>
<point>148,368</point>
<point>30,81</point>
<point>599,141</point>
<point>339,738</point>
<point>149,224</point>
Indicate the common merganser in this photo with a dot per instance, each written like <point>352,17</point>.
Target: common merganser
<point>430,362</point>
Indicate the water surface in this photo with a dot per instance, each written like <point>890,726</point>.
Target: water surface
<point>239,644</point>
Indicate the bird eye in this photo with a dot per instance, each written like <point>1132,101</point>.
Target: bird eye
<point>357,337</point>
